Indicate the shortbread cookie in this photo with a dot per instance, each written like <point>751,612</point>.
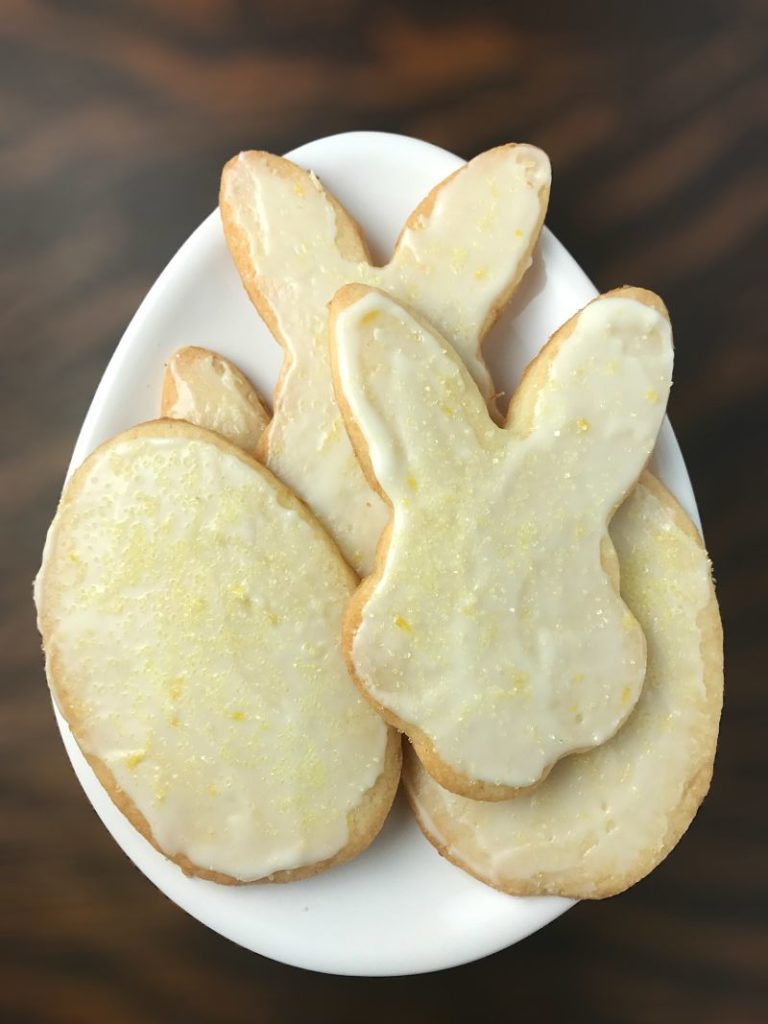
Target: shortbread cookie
<point>208,390</point>
<point>602,820</point>
<point>190,608</point>
<point>492,630</point>
<point>458,259</point>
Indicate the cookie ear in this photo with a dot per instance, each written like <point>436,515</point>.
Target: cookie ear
<point>209,391</point>
<point>600,386</point>
<point>410,406</point>
<point>266,203</point>
<point>465,248</point>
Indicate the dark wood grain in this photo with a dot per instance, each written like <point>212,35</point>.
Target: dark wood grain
<point>115,119</point>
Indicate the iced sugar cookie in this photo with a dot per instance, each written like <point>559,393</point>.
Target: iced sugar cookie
<point>492,630</point>
<point>602,820</point>
<point>458,259</point>
<point>206,389</point>
<point>190,609</point>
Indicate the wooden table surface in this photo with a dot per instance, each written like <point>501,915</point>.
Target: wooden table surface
<point>115,120</point>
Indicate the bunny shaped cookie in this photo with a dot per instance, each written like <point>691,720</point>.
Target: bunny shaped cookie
<point>492,631</point>
<point>459,258</point>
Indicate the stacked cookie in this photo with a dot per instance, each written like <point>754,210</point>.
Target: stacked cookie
<point>536,612</point>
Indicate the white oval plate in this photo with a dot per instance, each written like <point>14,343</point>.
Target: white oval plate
<point>399,908</point>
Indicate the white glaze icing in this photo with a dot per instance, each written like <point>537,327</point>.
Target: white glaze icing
<point>455,264</point>
<point>603,819</point>
<point>191,620</point>
<point>212,393</point>
<point>493,627</point>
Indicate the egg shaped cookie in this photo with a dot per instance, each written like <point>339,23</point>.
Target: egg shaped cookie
<point>602,820</point>
<point>190,608</point>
